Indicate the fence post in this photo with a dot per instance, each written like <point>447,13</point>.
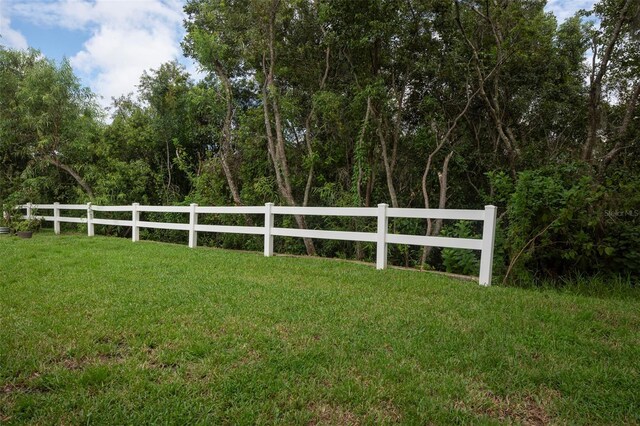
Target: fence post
<point>135,218</point>
<point>89,220</point>
<point>29,211</point>
<point>56,218</point>
<point>268,224</point>
<point>193,221</point>
<point>488,237</point>
<point>381,250</point>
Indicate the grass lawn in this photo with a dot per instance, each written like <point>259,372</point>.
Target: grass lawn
<point>103,330</point>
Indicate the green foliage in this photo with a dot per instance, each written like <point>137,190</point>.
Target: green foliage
<point>362,97</point>
<point>31,225</point>
<point>460,261</point>
<point>620,226</point>
<point>561,221</point>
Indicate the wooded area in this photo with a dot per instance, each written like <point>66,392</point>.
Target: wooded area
<point>416,103</point>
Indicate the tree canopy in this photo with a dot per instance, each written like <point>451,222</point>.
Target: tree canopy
<point>430,103</point>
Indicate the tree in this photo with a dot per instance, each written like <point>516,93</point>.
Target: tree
<point>615,47</point>
<point>166,92</point>
<point>47,116</point>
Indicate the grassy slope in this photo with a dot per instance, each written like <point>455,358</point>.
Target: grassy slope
<point>103,330</point>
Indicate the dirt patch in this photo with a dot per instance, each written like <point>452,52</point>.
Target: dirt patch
<point>173,366</point>
<point>526,410</point>
<point>76,364</point>
<point>155,358</point>
<point>73,363</point>
<point>22,386</point>
<point>110,358</point>
<point>216,334</point>
<point>283,331</point>
<point>385,412</point>
<point>250,357</point>
<point>14,387</point>
<point>327,414</point>
<point>118,341</point>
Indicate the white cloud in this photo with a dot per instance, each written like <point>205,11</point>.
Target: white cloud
<point>117,56</point>
<point>8,36</point>
<point>126,38</point>
<point>564,9</point>
<point>78,14</point>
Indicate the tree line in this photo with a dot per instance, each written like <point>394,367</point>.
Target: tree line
<point>414,103</point>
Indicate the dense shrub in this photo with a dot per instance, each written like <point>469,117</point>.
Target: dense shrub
<point>560,221</point>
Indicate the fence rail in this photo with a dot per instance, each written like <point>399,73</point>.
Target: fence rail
<point>381,237</point>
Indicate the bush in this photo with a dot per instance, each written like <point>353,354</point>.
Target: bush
<point>32,225</point>
<point>460,261</point>
<point>562,221</point>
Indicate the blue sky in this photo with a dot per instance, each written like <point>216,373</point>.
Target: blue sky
<point>111,42</point>
<point>108,42</point>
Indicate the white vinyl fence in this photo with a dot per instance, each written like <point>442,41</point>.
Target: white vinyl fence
<point>382,237</point>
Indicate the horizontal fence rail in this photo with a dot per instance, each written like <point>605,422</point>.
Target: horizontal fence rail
<point>381,237</point>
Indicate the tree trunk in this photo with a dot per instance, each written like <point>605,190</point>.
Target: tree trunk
<point>277,147</point>
<point>76,176</point>
<point>493,105</point>
<point>443,181</point>
<point>166,143</point>
<point>595,89</point>
<point>425,193</point>
<point>622,130</point>
<point>442,203</point>
<point>388,166</point>
<point>225,146</point>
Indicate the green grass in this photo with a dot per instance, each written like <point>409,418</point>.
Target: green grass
<point>102,330</point>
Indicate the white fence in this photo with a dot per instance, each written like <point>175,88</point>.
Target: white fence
<point>382,237</point>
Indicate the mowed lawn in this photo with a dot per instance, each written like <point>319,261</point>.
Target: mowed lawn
<point>102,330</point>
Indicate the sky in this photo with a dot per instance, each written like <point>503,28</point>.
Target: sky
<point>109,43</point>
